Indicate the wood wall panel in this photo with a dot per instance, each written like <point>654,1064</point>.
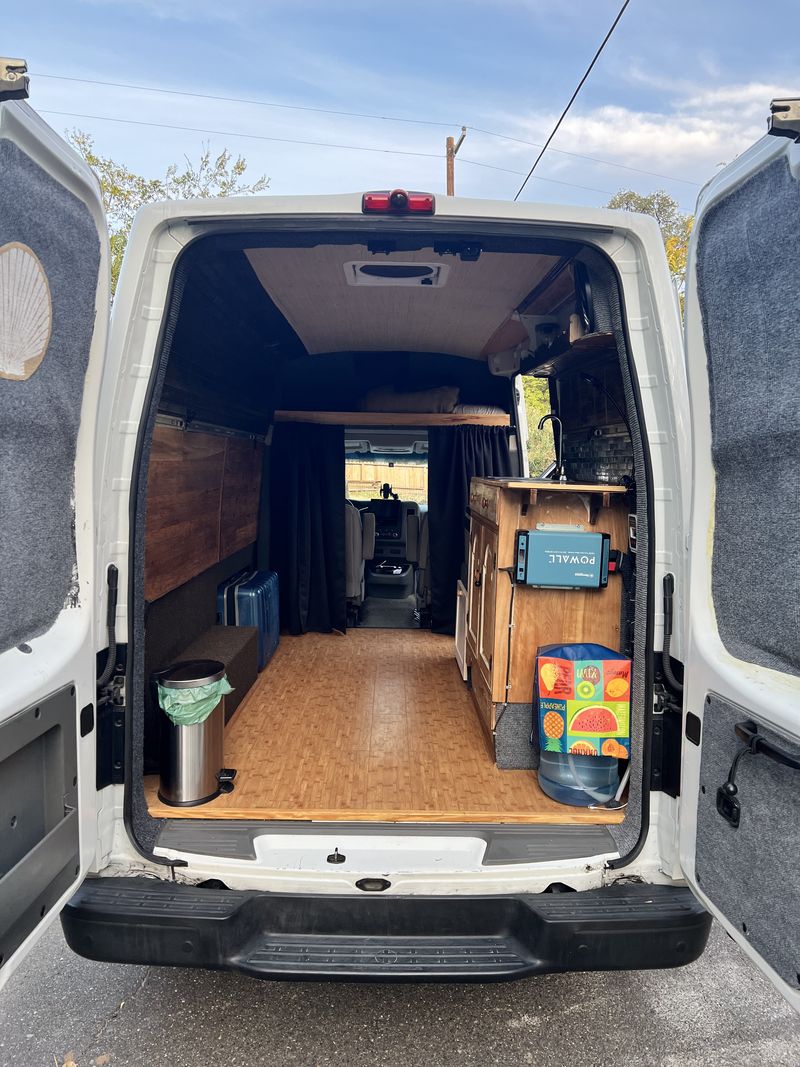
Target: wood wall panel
<point>202,504</point>
<point>394,419</point>
<point>241,489</point>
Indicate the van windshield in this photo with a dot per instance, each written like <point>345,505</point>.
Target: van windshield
<point>407,476</point>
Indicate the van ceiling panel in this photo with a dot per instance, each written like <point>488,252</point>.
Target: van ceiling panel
<point>310,288</point>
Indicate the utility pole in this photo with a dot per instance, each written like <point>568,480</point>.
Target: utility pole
<point>451,151</point>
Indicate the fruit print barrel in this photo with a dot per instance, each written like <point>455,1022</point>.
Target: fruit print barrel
<point>582,713</point>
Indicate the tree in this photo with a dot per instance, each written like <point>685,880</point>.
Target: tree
<point>675,226</point>
<point>540,442</point>
<point>124,192</point>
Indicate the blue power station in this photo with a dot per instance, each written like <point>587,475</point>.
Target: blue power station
<point>562,559</point>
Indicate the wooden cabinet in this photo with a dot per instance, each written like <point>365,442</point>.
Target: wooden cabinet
<point>476,535</point>
<point>486,630</point>
<point>482,576</point>
<point>502,669</point>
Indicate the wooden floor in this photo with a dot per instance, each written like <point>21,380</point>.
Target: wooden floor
<point>376,725</point>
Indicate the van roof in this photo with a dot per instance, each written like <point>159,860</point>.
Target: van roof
<point>349,204</point>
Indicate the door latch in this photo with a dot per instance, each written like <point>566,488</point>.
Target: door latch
<point>784,119</point>
<point>13,79</point>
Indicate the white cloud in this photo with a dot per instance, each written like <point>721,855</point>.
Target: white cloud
<point>696,129</point>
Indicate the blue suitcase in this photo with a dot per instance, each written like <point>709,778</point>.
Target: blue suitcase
<point>226,597</point>
<point>252,600</point>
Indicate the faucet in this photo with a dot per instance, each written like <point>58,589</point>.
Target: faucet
<point>552,417</point>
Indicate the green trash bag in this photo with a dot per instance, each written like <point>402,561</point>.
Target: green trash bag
<point>187,707</point>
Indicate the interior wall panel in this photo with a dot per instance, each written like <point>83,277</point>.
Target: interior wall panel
<point>202,504</point>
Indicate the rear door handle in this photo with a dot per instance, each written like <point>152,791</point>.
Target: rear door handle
<point>757,743</point>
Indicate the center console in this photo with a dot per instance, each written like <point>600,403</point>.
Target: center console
<point>389,573</point>
<point>389,523</point>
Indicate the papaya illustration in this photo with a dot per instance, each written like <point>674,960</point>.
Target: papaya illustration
<point>611,747</point>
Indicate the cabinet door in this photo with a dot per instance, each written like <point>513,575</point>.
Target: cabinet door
<point>488,593</point>
<point>474,585</point>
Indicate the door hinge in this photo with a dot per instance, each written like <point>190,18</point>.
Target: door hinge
<point>111,725</point>
<point>784,119</point>
<point>13,79</point>
<point>665,752</point>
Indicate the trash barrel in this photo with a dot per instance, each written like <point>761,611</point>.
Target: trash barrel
<point>191,695</point>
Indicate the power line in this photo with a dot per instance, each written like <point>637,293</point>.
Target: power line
<point>313,144</point>
<point>581,155</point>
<point>571,100</point>
<point>362,115</point>
<point>244,100</point>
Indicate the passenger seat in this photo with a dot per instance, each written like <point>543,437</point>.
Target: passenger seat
<point>423,571</point>
<point>359,546</point>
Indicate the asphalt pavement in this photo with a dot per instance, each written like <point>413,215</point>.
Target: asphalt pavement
<point>718,1012</point>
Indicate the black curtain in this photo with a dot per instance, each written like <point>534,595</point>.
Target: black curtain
<point>456,454</point>
<point>307,540</point>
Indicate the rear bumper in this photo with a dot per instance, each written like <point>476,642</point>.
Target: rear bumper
<point>266,935</point>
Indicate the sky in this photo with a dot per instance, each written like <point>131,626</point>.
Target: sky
<point>681,88</point>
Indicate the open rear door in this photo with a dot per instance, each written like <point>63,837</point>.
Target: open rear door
<point>53,324</point>
<point>740,793</point>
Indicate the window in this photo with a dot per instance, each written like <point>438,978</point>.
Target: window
<point>408,477</point>
<point>541,452</point>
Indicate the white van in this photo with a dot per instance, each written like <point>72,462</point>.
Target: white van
<point>378,827</point>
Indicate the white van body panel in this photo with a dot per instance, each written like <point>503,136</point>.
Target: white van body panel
<point>772,696</point>
<point>65,654</point>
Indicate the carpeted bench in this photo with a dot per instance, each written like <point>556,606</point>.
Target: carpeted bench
<point>237,648</point>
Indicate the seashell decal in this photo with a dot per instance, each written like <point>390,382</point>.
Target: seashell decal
<point>26,315</point>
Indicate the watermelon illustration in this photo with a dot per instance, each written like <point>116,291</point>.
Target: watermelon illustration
<point>596,719</point>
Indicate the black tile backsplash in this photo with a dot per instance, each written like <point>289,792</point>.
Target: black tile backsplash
<point>601,454</point>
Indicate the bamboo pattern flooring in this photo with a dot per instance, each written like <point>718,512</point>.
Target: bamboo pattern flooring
<point>375,725</point>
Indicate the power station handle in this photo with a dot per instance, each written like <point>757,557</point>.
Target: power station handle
<point>748,732</point>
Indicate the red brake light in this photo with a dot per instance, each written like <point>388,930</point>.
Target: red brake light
<point>398,202</point>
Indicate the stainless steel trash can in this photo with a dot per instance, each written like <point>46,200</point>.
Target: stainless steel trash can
<point>191,764</point>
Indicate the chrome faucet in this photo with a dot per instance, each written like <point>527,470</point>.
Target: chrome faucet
<point>552,417</point>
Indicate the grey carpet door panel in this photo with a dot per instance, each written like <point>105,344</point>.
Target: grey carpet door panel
<point>751,873</point>
<point>748,275</point>
<point>40,414</point>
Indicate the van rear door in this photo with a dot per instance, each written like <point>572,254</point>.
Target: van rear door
<point>53,322</point>
<point>740,793</point>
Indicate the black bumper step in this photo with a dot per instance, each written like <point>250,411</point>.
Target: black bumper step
<point>270,935</point>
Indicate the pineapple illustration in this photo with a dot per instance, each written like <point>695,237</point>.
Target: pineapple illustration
<point>553,729</point>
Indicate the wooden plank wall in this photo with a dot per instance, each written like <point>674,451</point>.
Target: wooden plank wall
<point>202,504</point>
